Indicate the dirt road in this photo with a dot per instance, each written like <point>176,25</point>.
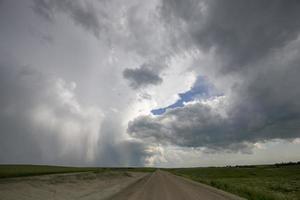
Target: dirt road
<point>162,185</point>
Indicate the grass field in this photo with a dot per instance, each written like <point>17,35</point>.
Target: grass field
<point>265,182</point>
<point>8,171</point>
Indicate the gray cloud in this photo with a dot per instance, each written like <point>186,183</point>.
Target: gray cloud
<point>199,125</point>
<point>122,153</point>
<point>258,42</point>
<point>43,123</point>
<point>83,13</point>
<point>46,118</point>
<point>113,150</point>
<point>252,54</point>
<point>143,76</point>
<point>241,31</point>
<point>195,125</point>
<point>132,26</point>
<point>36,118</point>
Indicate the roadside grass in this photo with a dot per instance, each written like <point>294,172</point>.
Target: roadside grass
<point>9,171</point>
<point>264,182</point>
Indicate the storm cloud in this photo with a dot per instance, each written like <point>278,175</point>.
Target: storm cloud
<point>258,43</point>
<point>141,77</point>
<point>43,122</point>
<point>79,81</point>
<point>241,32</point>
<point>83,13</point>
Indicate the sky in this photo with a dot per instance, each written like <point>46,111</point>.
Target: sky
<point>163,83</point>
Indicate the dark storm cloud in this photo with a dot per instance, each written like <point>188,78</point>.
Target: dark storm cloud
<point>123,153</point>
<point>199,125</point>
<point>241,31</point>
<point>258,42</point>
<point>192,126</point>
<point>143,76</point>
<point>83,13</point>
<point>114,151</point>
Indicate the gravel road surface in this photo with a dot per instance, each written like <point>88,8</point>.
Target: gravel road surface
<point>162,185</point>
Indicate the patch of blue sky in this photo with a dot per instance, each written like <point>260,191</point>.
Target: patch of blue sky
<point>201,90</point>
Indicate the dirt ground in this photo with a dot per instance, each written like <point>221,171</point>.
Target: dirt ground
<point>86,186</point>
<point>162,185</point>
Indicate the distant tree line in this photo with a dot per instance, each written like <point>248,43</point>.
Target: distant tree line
<point>282,164</point>
<point>287,164</point>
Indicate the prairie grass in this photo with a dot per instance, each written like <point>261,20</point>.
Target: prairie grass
<point>265,182</point>
<point>8,171</point>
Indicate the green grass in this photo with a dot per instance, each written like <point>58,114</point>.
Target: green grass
<point>8,171</point>
<point>268,182</point>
